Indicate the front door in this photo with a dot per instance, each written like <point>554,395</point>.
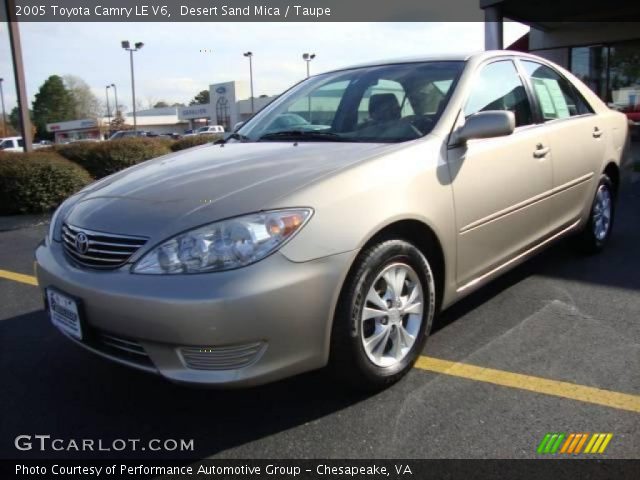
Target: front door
<point>500,185</point>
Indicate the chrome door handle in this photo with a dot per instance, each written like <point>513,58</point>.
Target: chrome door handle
<point>597,133</point>
<point>541,151</point>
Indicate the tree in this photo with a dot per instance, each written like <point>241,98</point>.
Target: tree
<point>118,123</point>
<point>201,98</point>
<point>53,103</point>
<point>6,129</point>
<point>178,104</point>
<point>86,104</point>
<point>14,121</point>
<point>161,104</point>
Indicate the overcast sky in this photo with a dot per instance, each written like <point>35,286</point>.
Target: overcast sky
<point>180,59</point>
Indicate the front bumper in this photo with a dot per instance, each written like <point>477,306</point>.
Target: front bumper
<point>241,327</point>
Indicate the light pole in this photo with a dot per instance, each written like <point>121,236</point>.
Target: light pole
<point>106,92</point>
<point>4,114</point>
<point>307,57</point>
<point>249,55</point>
<point>137,46</point>
<point>115,93</point>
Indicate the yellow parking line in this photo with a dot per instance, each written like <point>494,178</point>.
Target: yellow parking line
<point>598,396</point>
<point>19,277</point>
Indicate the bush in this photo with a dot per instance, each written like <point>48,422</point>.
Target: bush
<point>37,182</point>
<point>104,158</point>
<point>193,141</point>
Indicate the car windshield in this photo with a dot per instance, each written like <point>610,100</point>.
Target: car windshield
<point>389,103</point>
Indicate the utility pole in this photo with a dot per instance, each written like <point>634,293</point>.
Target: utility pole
<point>106,91</point>
<point>18,72</point>
<point>4,113</point>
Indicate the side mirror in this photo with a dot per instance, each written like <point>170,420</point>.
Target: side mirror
<point>494,123</point>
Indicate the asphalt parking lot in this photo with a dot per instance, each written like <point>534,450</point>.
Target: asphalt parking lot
<point>560,336</point>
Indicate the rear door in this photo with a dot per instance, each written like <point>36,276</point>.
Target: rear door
<point>576,138</point>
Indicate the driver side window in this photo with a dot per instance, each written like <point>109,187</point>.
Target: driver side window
<point>499,87</point>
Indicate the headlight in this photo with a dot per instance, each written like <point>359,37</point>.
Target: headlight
<point>224,245</point>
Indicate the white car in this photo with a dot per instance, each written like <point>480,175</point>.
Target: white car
<point>12,144</point>
<point>210,129</point>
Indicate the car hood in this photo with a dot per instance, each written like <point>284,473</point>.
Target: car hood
<point>176,192</point>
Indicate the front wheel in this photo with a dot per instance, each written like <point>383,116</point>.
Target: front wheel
<point>384,315</point>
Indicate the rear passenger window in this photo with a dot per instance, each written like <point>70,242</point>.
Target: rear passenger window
<point>499,87</point>
<point>556,97</point>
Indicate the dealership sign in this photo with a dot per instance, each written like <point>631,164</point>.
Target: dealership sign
<point>193,111</point>
<point>72,125</point>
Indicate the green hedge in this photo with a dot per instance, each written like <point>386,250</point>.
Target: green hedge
<point>37,182</point>
<point>193,141</point>
<point>104,158</point>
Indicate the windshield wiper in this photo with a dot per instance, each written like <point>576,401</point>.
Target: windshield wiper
<point>234,136</point>
<point>303,135</point>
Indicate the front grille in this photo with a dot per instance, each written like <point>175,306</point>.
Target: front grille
<point>98,249</point>
<point>221,358</point>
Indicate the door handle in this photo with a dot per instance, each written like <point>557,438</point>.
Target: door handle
<point>597,133</point>
<point>541,151</point>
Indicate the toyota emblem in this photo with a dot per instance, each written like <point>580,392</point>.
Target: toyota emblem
<point>82,243</point>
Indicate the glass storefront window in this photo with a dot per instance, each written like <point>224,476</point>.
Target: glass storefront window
<point>624,78</point>
<point>589,64</point>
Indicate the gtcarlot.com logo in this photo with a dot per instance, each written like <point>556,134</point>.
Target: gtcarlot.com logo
<point>574,443</point>
<point>46,443</point>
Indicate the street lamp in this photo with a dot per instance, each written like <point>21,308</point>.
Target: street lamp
<point>4,114</point>
<point>115,93</point>
<point>137,46</point>
<point>249,55</point>
<point>307,57</point>
<point>106,92</point>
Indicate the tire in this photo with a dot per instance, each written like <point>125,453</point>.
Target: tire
<point>388,356</point>
<point>597,231</point>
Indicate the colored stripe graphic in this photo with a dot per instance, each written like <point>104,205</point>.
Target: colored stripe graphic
<point>573,443</point>
<point>551,442</point>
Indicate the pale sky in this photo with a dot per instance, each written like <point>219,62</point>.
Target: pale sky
<point>180,59</point>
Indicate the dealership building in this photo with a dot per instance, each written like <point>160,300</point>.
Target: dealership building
<point>585,37</point>
<point>229,103</point>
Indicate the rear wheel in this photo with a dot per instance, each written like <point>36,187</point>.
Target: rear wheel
<point>384,315</point>
<point>597,231</point>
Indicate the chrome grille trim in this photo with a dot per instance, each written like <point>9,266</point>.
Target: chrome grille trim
<point>121,349</point>
<point>221,358</point>
<point>105,250</point>
<point>130,346</point>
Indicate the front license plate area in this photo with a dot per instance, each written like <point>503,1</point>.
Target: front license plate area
<point>64,313</point>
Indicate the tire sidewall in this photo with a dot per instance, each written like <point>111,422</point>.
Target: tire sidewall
<point>596,244</point>
<point>384,254</point>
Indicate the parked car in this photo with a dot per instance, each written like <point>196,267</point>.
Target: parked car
<point>127,134</point>
<point>12,144</point>
<point>210,129</point>
<point>283,251</point>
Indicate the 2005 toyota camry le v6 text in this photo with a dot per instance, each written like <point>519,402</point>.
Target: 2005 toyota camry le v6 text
<point>332,226</point>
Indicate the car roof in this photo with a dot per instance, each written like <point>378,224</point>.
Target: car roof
<point>448,57</point>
